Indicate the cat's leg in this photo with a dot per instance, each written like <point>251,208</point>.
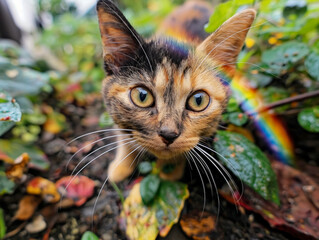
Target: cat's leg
<point>122,166</point>
<point>178,171</point>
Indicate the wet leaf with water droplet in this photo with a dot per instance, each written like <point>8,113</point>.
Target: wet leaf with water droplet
<point>309,119</point>
<point>247,162</point>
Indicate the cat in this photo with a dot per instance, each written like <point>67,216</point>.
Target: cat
<point>165,94</point>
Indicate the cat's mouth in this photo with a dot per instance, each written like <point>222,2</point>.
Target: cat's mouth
<point>164,151</point>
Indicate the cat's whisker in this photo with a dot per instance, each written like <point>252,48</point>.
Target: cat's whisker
<point>219,167</point>
<point>222,127</point>
<point>107,178</point>
<point>212,159</point>
<point>136,157</point>
<point>91,153</point>
<point>234,169</point>
<point>96,141</point>
<point>72,179</point>
<point>203,184</point>
<point>92,160</point>
<point>140,153</point>
<point>186,154</point>
<point>212,177</point>
<point>99,131</point>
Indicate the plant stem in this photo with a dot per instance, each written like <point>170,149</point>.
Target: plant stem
<point>116,188</point>
<point>285,101</point>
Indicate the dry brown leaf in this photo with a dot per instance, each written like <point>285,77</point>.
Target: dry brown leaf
<point>27,206</point>
<point>15,171</point>
<point>198,225</point>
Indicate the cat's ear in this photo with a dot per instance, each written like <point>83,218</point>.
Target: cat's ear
<point>120,41</point>
<point>224,45</point>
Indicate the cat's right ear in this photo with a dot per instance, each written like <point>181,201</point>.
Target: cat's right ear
<point>120,41</point>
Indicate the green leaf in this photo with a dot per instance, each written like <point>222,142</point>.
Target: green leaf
<point>10,110</point>
<point>5,126</point>
<point>149,188</point>
<point>15,148</point>
<point>145,222</point>
<point>312,65</point>
<point>3,228</point>
<point>283,57</point>
<point>88,235</point>
<point>25,104</point>
<point>6,185</point>
<point>260,79</point>
<point>309,119</point>
<point>106,120</point>
<point>237,118</point>
<point>232,105</point>
<point>223,12</point>
<point>295,7</point>
<point>168,204</point>
<point>20,81</point>
<point>247,162</point>
<point>145,167</point>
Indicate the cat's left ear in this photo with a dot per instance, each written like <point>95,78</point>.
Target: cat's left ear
<point>224,45</point>
<point>121,43</point>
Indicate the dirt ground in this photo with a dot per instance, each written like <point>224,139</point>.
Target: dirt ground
<point>69,224</point>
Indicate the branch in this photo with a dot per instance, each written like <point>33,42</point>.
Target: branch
<point>285,101</point>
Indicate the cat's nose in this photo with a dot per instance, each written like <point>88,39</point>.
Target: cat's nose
<point>168,135</point>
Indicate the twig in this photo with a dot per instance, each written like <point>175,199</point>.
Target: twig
<point>285,101</point>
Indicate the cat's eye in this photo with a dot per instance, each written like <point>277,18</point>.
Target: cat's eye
<point>198,101</point>
<point>142,97</point>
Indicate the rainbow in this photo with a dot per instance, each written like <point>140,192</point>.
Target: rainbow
<point>271,129</point>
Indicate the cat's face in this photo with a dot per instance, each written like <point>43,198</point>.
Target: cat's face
<point>169,95</point>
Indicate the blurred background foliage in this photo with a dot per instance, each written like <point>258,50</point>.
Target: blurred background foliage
<point>50,97</point>
<point>280,59</point>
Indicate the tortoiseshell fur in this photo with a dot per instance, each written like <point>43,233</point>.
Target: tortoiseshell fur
<point>171,71</point>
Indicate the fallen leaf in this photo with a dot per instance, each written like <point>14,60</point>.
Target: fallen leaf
<point>78,188</point>
<point>37,225</point>
<point>298,213</point>
<point>14,148</point>
<point>198,225</point>
<point>27,206</point>
<point>15,171</point>
<point>146,222</point>
<point>140,221</point>
<point>45,188</point>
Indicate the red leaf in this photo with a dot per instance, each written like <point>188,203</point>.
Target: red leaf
<point>78,189</point>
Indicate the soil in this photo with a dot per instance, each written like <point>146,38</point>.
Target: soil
<point>69,224</point>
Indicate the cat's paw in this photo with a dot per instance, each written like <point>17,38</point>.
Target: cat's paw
<point>117,173</point>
